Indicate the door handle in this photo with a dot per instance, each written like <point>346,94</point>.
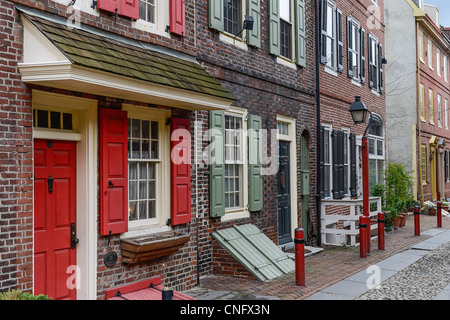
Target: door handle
<point>50,183</point>
<point>73,236</point>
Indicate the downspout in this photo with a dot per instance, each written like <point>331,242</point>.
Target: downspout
<point>419,142</point>
<point>319,237</point>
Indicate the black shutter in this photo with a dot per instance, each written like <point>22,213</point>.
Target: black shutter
<point>323,39</point>
<point>349,48</point>
<point>340,42</point>
<point>362,51</point>
<point>380,67</point>
<point>353,165</point>
<point>338,164</point>
<point>321,163</point>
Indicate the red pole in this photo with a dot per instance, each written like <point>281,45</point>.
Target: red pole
<point>416,221</point>
<point>381,231</point>
<point>299,257</point>
<point>365,182</point>
<point>363,221</point>
<point>439,214</point>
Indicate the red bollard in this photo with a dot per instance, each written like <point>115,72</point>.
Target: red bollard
<point>363,224</point>
<point>299,242</point>
<point>416,221</point>
<point>381,222</point>
<point>439,214</point>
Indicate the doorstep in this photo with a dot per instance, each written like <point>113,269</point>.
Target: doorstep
<point>289,249</point>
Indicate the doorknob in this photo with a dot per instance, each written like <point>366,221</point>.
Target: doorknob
<point>50,183</point>
<point>73,236</point>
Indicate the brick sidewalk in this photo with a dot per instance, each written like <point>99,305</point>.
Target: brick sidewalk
<point>328,267</point>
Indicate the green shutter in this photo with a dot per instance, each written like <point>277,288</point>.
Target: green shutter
<point>217,164</point>
<point>253,10</point>
<point>274,29</point>
<point>300,43</point>
<point>215,14</point>
<point>255,181</point>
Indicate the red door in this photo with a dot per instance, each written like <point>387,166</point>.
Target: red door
<point>54,218</point>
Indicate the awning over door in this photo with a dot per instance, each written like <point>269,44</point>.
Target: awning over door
<point>91,60</point>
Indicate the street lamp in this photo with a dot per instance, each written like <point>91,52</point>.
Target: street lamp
<point>359,112</point>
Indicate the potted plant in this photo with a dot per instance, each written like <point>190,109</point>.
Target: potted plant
<point>396,193</point>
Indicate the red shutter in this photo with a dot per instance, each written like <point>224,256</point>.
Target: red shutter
<point>109,5</point>
<point>113,171</point>
<point>180,169</point>
<point>177,17</point>
<point>130,8</point>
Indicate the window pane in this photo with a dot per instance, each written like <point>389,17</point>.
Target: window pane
<point>142,210</point>
<point>145,149</point>
<point>67,121</point>
<point>132,211</point>
<point>155,130</point>
<point>379,148</point>
<point>232,16</point>
<point>285,10</point>
<point>145,129</point>
<point>132,190</point>
<point>42,119</point>
<point>55,120</point>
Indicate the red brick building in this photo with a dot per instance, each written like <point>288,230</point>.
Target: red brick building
<point>98,100</point>
<point>352,64</point>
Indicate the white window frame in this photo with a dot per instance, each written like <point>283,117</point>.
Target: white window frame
<point>375,156</point>
<point>438,61</point>
<point>331,53</point>
<point>430,54</point>
<point>239,41</point>
<point>421,47</point>
<point>439,101</point>
<point>445,68</point>
<point>375,61</point>
<point>431,105</point>
<point>292,23</point>
<point>162,20</point>
<point>328,130</point>
<point>138,227</point>
<point>446,113</point>
<point>347,159</point>
<point>422,102</point>
<point>356,50</point>
<point>240,212</point>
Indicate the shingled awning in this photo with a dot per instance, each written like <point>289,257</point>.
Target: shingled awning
<point>91,60</point>
<point>255,251</point>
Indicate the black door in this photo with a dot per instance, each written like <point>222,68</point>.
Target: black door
<point>284,199</point>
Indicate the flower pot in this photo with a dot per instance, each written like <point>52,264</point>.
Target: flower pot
<point>432,211</point>
<point>397,221</point>
<point>403,219</point>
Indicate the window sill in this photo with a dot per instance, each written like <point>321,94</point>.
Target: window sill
<point>235,214</point>
<point>331,71</point>
<point>149,27</point>
<point>150,247</point>
<point>356,83</point>
<point>228,38</point>
<point>286,62</point>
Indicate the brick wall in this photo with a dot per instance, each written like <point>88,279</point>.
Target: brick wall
<point>266,88</point>
<point>430,126</point>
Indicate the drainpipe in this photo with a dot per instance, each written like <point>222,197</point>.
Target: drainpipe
<point>319,237</point>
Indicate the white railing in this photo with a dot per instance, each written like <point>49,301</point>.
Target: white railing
<point>348,223</point>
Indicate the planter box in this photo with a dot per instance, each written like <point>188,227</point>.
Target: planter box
<point>145,248</point>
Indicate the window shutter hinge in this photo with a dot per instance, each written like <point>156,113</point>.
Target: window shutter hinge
<point>169,222</point>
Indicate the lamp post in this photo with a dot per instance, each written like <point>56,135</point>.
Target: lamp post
<point>359,112</point>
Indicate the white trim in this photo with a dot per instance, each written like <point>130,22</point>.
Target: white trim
<point>163,173</point>
<point>86,112</point>
<point>243,212</point>
<point>229,38</point>
<point>71,77</point>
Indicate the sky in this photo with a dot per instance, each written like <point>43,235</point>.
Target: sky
<point>444,10</point>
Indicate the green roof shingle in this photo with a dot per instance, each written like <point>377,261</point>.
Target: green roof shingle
<point>99,52</point>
